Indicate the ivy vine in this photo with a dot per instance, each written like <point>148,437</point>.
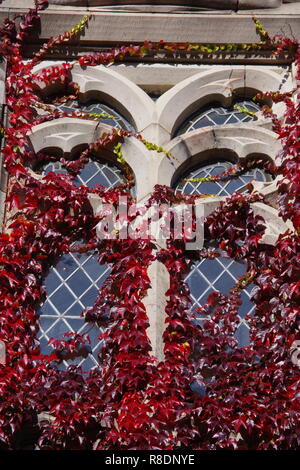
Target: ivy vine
<point>248,397</point>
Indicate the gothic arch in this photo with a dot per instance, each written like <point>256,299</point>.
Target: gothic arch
<point>124,95</point>
<point>68,133</point>
<point>219,84</point>
<point>190,148</point>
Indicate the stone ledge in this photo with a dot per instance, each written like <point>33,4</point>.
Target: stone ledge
<point>289,7</point>
<point>204,27</point>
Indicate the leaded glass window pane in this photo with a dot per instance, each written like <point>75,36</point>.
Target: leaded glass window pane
<point>113,118</point>
<point>71,286</point>
<point>95,172</point>
<point>220,274</point>
<point>216,115</point>
<point>92,174</point>
<point>220,188</point>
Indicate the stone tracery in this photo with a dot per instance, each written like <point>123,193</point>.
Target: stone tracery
<point>157,169</point>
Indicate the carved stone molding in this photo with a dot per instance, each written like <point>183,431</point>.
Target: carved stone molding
<point>211,4</point>
<point>158,120</point>
<point>198,146</point>
<point>218,84</point>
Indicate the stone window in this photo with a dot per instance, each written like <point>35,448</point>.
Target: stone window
<point>219,274</point>
<point>211,148</point>
<point>73,283</point>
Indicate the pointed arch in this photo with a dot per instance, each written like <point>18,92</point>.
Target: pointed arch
<point>220,84</point>
<point>112,88</point>
<point>198,146</point>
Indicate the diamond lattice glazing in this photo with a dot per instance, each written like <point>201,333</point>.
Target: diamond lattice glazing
<point>220,188</point>
<point>92,174</point>
<point>216,115</point>
<point>111,116</point>
<point>71,285</point>
<point>220,274</point>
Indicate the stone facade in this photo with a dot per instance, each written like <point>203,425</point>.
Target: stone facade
<point>157,121</point>
<point>122,22</point>
<point>181,88</point>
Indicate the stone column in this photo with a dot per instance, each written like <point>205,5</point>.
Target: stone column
<point>3,175</point>
<point>155,303</point>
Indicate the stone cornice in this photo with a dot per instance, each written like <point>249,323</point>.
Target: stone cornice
<point>211,4</point>
<point>111,28</point>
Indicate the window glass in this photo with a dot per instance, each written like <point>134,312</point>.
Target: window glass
<point>71,286</point>
<point>216,115</point>
<point>110,115</point>
<point>95,172</point>
<point>220,274</point>
<point>92,174</point>
<point>73,283</point>
<point>220,188</point>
